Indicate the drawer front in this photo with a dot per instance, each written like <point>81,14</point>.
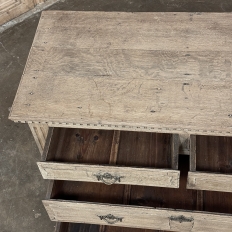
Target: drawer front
<point>209,181</point>
<point>110,174</point>
<point>136,217</point>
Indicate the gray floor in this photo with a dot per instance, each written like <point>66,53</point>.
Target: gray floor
<point>22,187</point>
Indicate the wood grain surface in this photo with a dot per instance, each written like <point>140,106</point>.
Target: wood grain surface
<point>209,181</point>
<point>162,72</point>
<point>210,204</point>
<point>137,217</point>
<point>101,147</point>
<point>110,174</point>
<point>211,158</point>
<point>39,132</point>
<point>214,154</point>
<point>75,146</point>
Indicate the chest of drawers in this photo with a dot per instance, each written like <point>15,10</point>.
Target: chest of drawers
<point>112,99</point>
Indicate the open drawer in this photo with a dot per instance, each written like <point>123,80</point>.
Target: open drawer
<point>111,157</point>
<point>211,163</point>
<point>143,207</point>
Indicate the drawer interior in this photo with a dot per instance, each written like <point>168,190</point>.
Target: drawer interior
<point>88,146</point>
<point>130,195</point>
<point>214,154</point>
<point>75,227</point>
<point>182,198</point>
<point>138,149</point>
<point>210,164</point>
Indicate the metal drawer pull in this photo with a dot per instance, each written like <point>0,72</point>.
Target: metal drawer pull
<point>181,223</point>
<point>181,219</point>
<point>110,219</point>
<point>108,179</point>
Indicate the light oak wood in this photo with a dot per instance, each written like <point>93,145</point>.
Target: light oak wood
<point>39,132</point>
<point>110,174</point>
<point>160,72</point>
<point>146,31</point>
<point>137,217</point>
<point>209,181</point>
<point>47,145</point>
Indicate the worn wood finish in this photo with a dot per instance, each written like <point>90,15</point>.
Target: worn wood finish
<point>147,197</point>
<point>160,72</point>
<point>137,217</point>
<point>143,149</point>
<point>214,154</point>
<point>126,148</point>
<point>212,160</point>
<point>167,198</point>
<point>39,133</point>
<point>110,174</point>
<point>80,146</point>
<point>45,154</point>
<point>141,146</point>
<point>113,160</point>
<point>209,181</point>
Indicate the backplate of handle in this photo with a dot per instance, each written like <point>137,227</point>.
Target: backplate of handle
<point>181,223</point>
<point>110,219</point>
<point>108,178</point>
<point>181,219</point>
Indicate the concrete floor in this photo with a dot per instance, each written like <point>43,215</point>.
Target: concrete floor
<point>22,187</point>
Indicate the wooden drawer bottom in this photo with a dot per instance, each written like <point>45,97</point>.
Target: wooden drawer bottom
<point>140,206</point>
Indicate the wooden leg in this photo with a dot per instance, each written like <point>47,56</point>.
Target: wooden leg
<point>39,132</point>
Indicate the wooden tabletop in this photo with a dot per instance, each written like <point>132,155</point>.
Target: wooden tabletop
<point>160,72</point>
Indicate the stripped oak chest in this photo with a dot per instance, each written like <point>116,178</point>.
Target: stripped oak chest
<point>112,99</point>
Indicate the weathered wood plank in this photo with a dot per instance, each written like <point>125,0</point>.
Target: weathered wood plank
<point>137,217</point>
<point>209,181</point>
<point>120,62</point>
<point>45,154</point>
<point>160,72</point>
<point>133,103</point>
<point>110,174</point>
<point>39,133</point>
<point>146,31</point>
<point>214,154</point>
